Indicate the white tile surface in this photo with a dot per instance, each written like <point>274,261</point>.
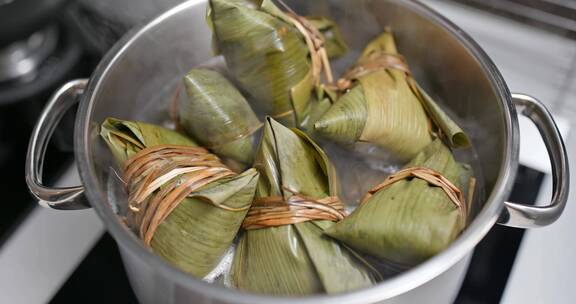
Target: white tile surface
<point>40,256</point>
<point>545,265</point>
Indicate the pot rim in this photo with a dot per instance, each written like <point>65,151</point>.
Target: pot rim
<point>384,290</point>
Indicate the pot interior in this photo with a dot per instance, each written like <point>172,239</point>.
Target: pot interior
<point>137,78</point>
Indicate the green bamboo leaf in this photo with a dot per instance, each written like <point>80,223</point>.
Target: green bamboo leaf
<point>345,120</point>
<point>125,138</point>
<point>387,108</point>
<point>196,234</point>
<point>338,267</point>
<point>466,177</point>
<point>317,109</point>
<point>318,105</point>
<point>454,134</point>
<point>266,262</point>
<point>380,109</point>
<point>408,221</point>
<point>295,259</point>
<point>217,116</point>
<point>268,56</point>
<point>265,53</point>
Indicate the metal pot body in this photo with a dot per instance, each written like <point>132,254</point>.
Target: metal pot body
<point>152,286</point>
<point>136,76</point>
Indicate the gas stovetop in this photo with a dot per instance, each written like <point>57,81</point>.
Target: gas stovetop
<point>30,70</point>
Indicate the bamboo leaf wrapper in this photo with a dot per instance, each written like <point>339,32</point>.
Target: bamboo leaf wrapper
<point>295,259</point>
<point>410,220</point>
<point>268,56</point>
<point>384,106</point>
<point>217,115</point>
<point>196,233</point>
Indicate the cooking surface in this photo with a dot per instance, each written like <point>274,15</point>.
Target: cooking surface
<point>63,255</point>
<point>30,71</point>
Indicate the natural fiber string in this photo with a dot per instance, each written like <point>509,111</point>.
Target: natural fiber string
<point>432,177</point>
<point>315,42</point>
<point>276,211</point>
<point>161,177</point>
<point>372,64</point>
<point>316,45</point>
<point>377,62</point>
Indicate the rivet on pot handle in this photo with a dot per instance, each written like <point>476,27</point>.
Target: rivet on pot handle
<point>68,198</point>
<point>525,216</point>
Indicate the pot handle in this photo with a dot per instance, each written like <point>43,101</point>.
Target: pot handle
<point>68,198</point>
<point>525,216</point>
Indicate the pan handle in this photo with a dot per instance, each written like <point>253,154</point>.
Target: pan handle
<point>68,198</point>
<point>525,216</point>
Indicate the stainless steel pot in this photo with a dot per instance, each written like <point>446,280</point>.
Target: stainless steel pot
<point>135,77</point>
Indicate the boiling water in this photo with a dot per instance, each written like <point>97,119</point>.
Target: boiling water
<point>358,170</point>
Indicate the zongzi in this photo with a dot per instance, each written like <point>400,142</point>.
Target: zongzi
<point>218,116</point>
<point>415,213</point>
<point>384,106</point>
<point>277,57</point>
<point>183,202</point>
<point>283,250</point>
